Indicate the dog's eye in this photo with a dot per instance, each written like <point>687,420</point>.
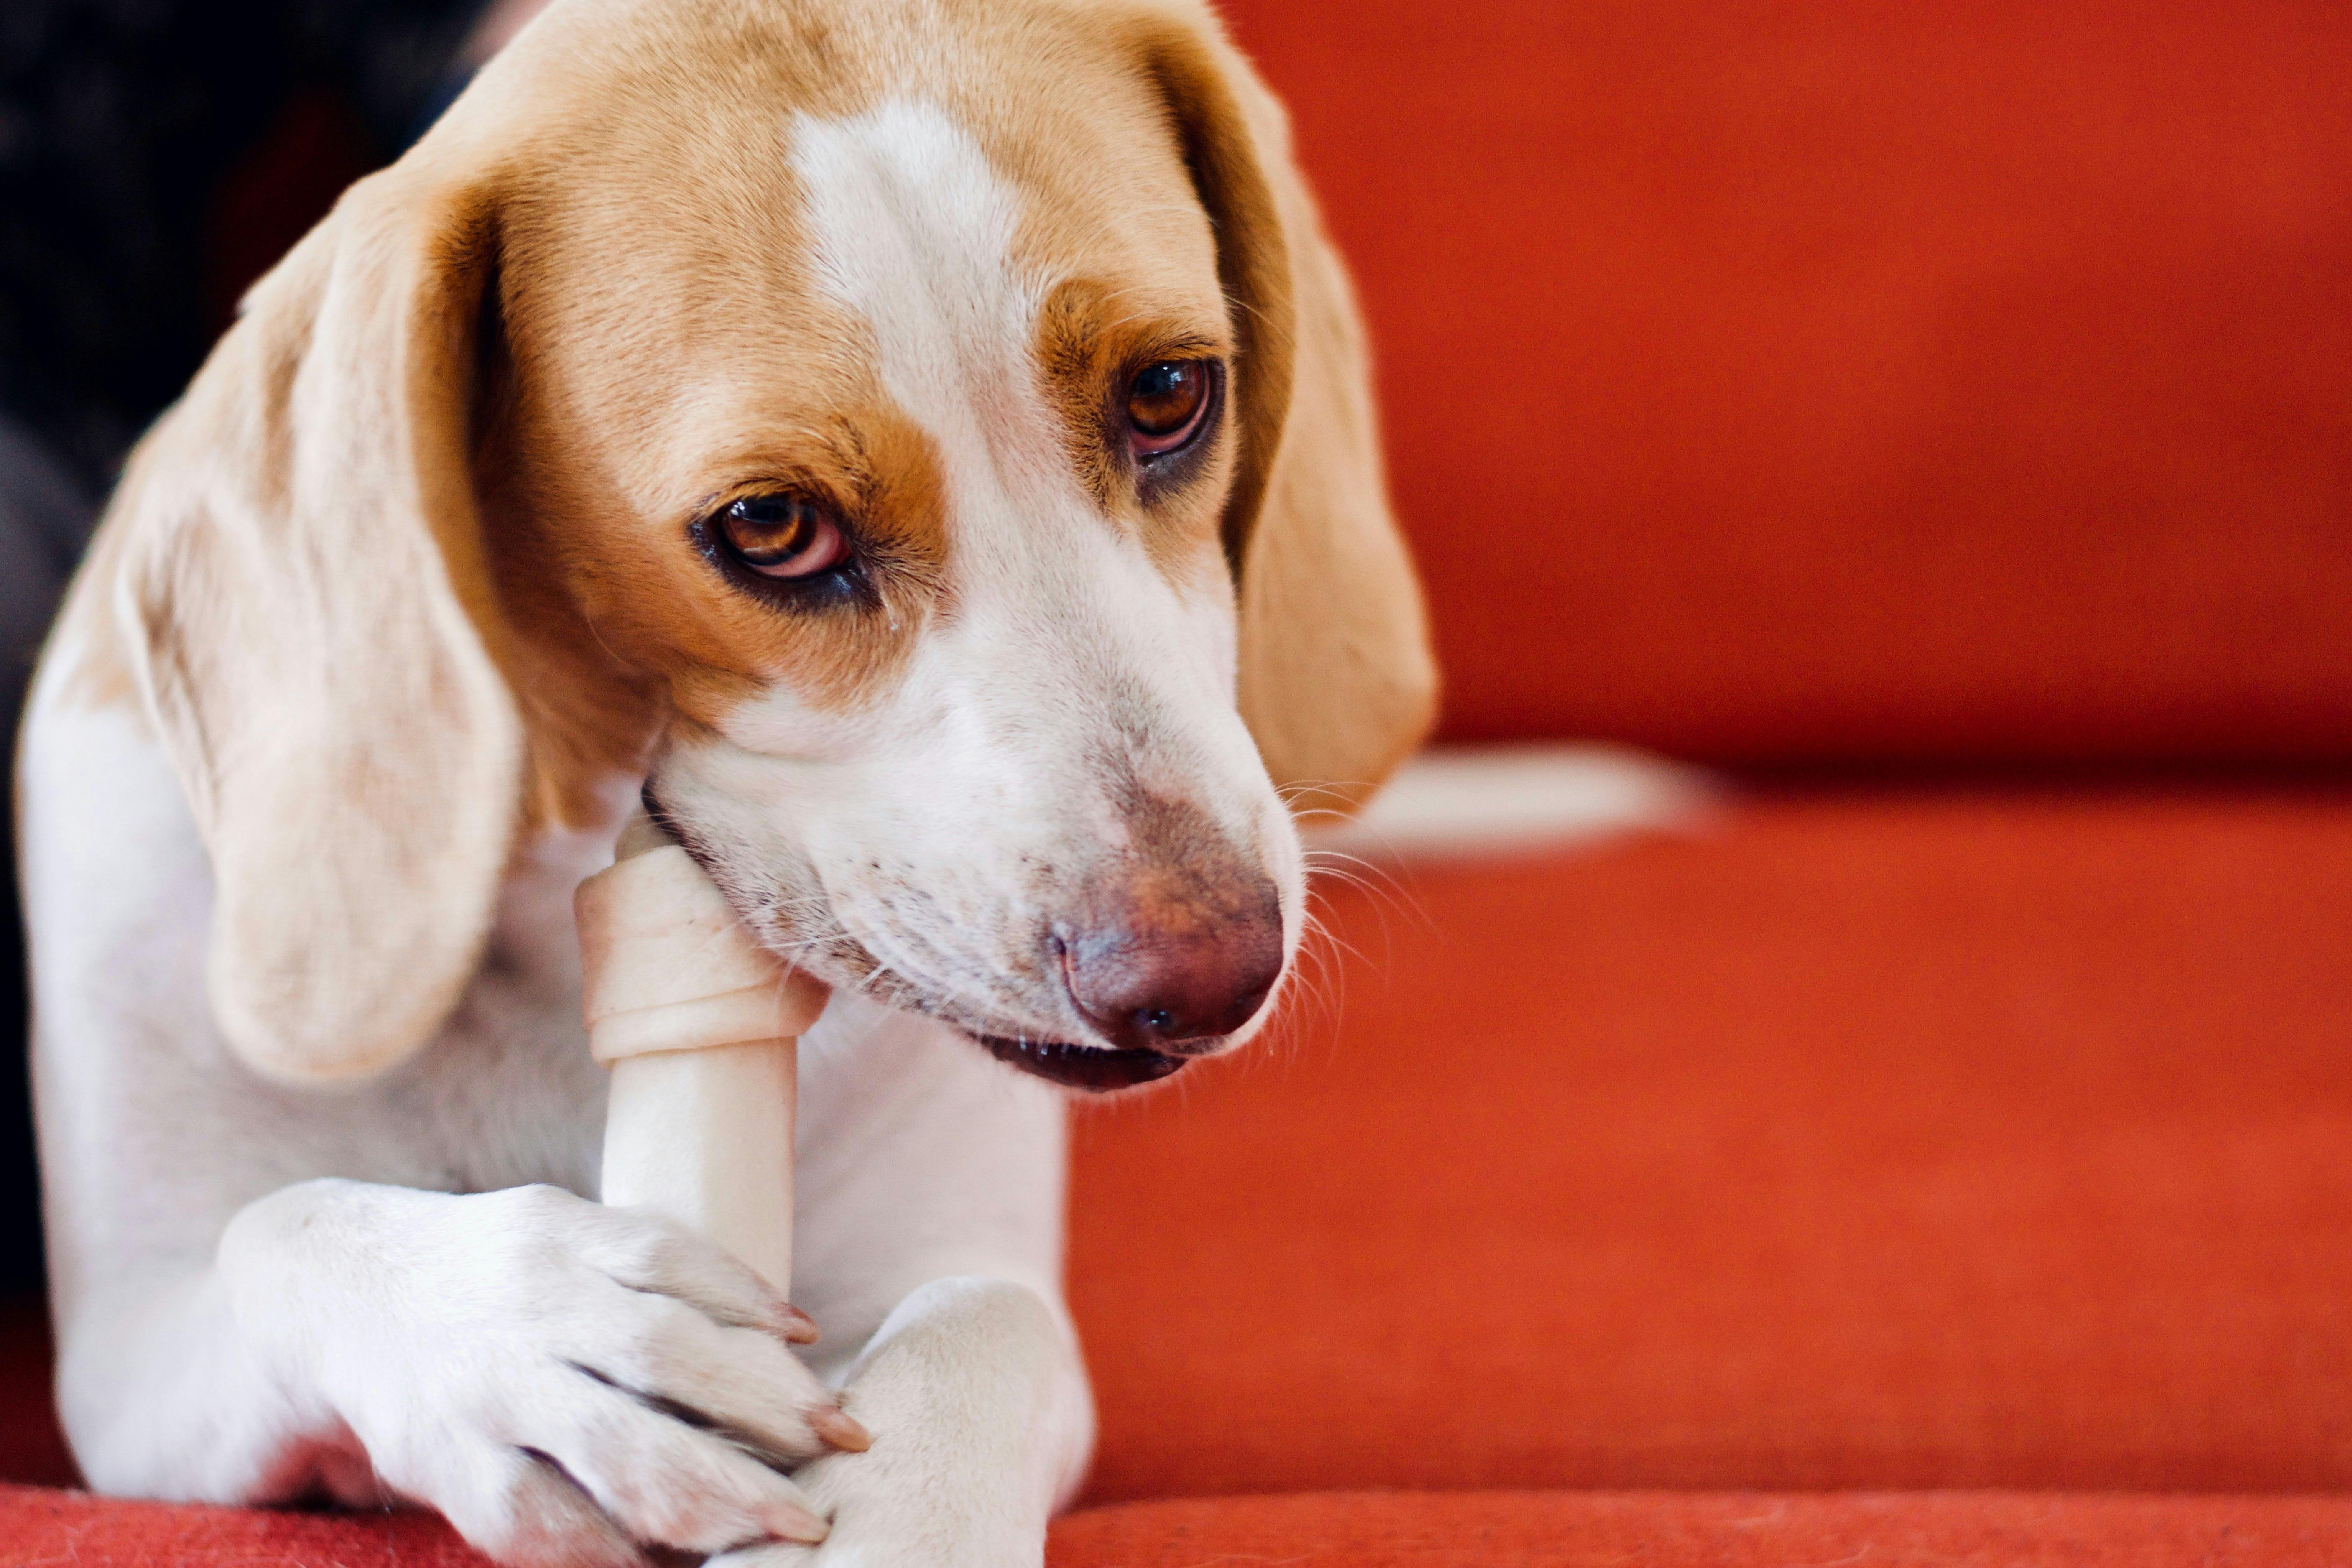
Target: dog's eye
<point>783,536</point>
<point>1166,404</point>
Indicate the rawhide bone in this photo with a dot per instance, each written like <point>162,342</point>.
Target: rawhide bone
<point>700,1026</point>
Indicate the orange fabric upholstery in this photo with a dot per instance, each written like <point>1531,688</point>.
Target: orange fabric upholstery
<point>1857,380</point>
<point>1524,1529</point>
<point>1847,382</point>
<point>1966,1139</point>
<point>1704,1529</point>
<point>1925,1138</point>
<point>38,1526</point>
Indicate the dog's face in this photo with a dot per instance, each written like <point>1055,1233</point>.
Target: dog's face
<point>918,523</point>
<point>853,421</point>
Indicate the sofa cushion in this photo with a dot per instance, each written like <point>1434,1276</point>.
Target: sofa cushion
<point>1962,1138</point>
<point>1392,1530</point>
<point>1702,1529</point>
<point>1855,379</point>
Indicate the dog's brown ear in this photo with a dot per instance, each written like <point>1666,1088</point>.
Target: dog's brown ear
<point>1337,681</point>
<point>312,626</point>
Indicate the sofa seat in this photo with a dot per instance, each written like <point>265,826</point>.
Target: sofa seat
<point>1961,1137</point>
<point>1984,1150</point>
<point>1364,1530</point>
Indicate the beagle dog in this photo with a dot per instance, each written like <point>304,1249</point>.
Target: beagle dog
<point>921,447</point>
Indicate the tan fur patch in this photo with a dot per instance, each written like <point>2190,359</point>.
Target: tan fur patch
<point>94,668</point>
<point>1092,338</point>
<point>414,561</point>
<point>711,363</point>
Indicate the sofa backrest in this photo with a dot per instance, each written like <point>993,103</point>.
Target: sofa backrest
<point>1859,382</point>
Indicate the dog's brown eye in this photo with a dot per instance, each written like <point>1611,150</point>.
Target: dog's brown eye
<point>783,536</point>
<point>1165,403</point>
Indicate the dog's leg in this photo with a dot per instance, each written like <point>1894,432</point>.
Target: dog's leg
<point>556,1377</point>
<point>931,1184</point>
<point>256,1295</point>
<point>978,1402</point>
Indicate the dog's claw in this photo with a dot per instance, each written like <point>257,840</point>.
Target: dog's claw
<point>793,1522</point>
<point>840,1428</point>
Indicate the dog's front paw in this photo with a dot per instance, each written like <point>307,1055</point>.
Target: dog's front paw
<point>978,1411</point>
<point>562,1380</point>
<point>880,1522</point>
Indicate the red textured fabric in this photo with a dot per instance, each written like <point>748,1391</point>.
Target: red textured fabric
<point>52,1528</point>
<point>1930,1139</point>
<point>1570,1530</point>
<point>1939,1139</point>
<point>1392,1530</point>
<point>1855,379</point>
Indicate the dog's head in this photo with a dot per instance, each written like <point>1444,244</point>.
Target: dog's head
<point>929,445</point>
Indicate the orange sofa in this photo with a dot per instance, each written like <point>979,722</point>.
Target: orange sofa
<point>1941,418</point>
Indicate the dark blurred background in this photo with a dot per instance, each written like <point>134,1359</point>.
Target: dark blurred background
<point>155,157</point>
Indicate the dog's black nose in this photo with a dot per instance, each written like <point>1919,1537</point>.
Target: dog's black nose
<point>1176,978</point>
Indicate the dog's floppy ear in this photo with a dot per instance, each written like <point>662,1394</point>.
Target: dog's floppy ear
<point>312,623</point>
<point>1337,681</point>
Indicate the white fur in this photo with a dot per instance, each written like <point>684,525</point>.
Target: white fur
<point>261,1290</point>
<point>937,830</point>
<point>1472,802</point>
<point>402,1289</point>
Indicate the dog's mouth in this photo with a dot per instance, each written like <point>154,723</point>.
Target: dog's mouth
<point>1095,1068</point>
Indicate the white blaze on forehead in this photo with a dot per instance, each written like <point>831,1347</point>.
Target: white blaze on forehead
<point>1071,671</point>
<point>912,231</point>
